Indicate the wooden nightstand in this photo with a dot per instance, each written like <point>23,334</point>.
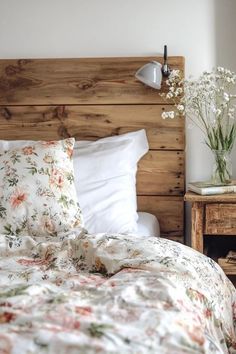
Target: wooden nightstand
<point>213,216</point>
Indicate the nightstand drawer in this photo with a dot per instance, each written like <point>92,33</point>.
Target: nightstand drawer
<point>220,219</point>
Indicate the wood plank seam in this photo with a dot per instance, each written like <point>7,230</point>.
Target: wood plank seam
<point>28,88</point>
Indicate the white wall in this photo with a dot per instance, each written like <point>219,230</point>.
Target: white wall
<point>201,30</point>
<point>225,45</point>
<point>67,28</point>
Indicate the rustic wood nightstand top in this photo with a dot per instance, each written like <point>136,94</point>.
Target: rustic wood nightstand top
<point>216,198</point>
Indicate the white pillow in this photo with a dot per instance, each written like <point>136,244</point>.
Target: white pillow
<point>106,185</point>
<point>105,179</point>
<point>148,225</point>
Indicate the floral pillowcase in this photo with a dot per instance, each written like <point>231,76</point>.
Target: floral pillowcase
<point>37,191</point>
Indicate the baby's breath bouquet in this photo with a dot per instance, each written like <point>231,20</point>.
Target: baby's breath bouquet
<point>210,103</point>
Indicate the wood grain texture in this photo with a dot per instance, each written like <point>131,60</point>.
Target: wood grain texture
<point>197,226</point>
<point>215,216</point>
<point>220,219</point>
<point>217,198</point>
<point>168,210</point>
<point>44,99</point>
<point>91,122</point>
<point>77,81</point>
<point>161,173</point>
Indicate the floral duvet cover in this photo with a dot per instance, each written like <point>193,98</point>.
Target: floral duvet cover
<point>82,293</point>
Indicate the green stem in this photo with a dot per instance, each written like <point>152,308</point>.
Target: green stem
<point>221,169</point>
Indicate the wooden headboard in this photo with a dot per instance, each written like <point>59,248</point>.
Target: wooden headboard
<point>94,98</point>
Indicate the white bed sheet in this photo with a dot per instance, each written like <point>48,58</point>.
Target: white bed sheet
<point>148,225</point>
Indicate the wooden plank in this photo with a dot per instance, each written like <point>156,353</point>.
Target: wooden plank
<point>168,210</point>
<point>220,219</point>
<point>197,226</point>
<point>77,81</point>
<point>91,122</point>
<point>179,239</point>
<point>161,173</point>
<point>78,90</point>
<point>217,198</point>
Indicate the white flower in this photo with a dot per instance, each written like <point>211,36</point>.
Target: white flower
<point>208,101</point>
<point>164,115</point>
<point>230,115</point>
<point>178,91</point>
<point>169,95</point>
<point>218,112</point>
<point>226,97</point>
<point>180,107</point>
<point>220,69</point>
<point>171,114</point>
<point>174,74</point>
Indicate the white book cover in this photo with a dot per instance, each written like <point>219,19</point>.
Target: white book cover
<point>207,188</point>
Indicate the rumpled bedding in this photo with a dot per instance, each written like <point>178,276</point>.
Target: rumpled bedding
<point>82,293</point>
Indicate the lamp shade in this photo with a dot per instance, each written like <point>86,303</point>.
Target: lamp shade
<point>150,74</point>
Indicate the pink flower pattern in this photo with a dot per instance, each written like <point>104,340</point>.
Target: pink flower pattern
<point>37,191</point>
<point>153,296</point>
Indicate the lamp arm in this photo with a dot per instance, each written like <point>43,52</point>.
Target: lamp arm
<point>165,67</point>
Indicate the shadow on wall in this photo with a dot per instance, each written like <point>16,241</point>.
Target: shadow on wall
<point>225,28</point>
<point>225,45</point>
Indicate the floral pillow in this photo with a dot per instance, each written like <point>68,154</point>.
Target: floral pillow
<point>37,191</point>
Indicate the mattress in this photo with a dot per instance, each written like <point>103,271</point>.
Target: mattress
<point>148,225</point>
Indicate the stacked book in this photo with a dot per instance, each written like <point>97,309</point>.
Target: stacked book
<point>207,188</point>
<point>229,263</point>
<point>231,257</point>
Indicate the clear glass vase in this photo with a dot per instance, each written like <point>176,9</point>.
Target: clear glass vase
<point>222,167</point>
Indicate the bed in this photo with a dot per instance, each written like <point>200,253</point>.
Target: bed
<point>77,291</point>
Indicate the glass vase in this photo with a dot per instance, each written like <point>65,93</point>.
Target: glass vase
<point>222,167</point>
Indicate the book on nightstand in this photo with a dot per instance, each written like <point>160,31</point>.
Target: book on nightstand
<point>228,267</point>
<point>207,188</point>
<point>231,257</point>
